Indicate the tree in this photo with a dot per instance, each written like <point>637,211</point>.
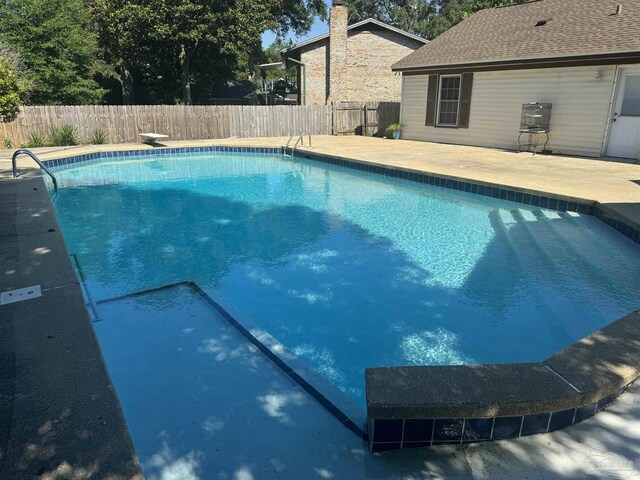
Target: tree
<point>428,18</point>
<point>59,51</point>
<point>192,42</point>
<point>226,30</point>
<point>12,87</point>
<point>123,28</point>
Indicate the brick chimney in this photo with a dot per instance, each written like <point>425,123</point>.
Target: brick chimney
<point>338,22</point>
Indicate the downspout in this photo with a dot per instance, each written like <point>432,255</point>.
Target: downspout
<point>304,77</point>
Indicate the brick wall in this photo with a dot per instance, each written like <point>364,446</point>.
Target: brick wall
<point>315,58</point>
<point>370,55</point>
<point>367,74</point>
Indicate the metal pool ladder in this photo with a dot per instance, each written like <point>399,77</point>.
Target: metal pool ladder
<point>299,141</point>
<point>24,151</point>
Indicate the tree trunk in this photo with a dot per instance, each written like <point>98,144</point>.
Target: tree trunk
<point>126,81</point>
<point>185,76</point>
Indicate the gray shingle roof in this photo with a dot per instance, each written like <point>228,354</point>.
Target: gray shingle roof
<point>508,34</point>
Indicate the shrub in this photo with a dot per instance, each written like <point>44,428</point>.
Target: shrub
<point>7,143</point>
<point>98,137</point>
<point>36,140</point>
<point>11,89</point>
<point>63,136</point>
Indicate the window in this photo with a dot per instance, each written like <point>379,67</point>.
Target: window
<point>631,100</point>
<point>449,100</point>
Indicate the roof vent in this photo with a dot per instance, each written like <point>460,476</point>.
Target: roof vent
<point>618,9</point>
<point>541,23</point>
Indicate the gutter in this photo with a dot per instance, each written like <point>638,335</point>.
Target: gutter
<point>582,60</point>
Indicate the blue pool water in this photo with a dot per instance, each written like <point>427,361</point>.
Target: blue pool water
<point>346,269</point>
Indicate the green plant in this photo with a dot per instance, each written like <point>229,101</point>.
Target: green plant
<point>98,137</point>
<point>11,89</point>
<point>393,130</point>
<point>63,136</point>
<point>36,140</point>
<point>7,143</point>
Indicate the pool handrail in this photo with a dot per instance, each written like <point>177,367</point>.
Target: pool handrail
<point>300,141</point>
<point>24,151</point>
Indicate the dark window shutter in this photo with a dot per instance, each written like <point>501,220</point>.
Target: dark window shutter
<point>465,100</point>
<point>432,99</point>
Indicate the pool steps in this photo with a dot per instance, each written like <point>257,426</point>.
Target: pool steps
<point>334,410</point>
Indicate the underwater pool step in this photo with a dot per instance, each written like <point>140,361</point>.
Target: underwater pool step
<point>327,404</point>
<point>88,300</point>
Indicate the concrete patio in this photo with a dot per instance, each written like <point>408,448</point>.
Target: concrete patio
<point>61,419</point>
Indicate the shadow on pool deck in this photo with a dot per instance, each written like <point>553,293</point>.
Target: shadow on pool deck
<point>60,417</point>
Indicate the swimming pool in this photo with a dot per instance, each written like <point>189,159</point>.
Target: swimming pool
<point>347,269</point>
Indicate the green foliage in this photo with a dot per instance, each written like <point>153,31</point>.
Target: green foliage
<point>394,127</point>
<point>7,143</point>
<point>11,90</point>
<point>59,50</point>
<point>180,51</point>
<point>98,137</point>
<point>36,140</point>
<point>63,136</point>
<point>428,18</point>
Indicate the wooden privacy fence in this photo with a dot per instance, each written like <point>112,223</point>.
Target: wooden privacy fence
<point>123,124</point>
<point>368,118</point>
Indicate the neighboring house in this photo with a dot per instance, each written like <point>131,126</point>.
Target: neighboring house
<point>235,92</point>
<point>351,62</point>
<point>583,56</point>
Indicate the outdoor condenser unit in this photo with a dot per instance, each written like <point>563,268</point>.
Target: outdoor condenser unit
<point>535,118</point>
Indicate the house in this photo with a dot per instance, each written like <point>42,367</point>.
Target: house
<point>582,56</point>
<point>234,92</point>
<point>351,62</point>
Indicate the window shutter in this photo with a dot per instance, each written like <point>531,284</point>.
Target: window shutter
<point>432,99</point>
<point>465,100</point>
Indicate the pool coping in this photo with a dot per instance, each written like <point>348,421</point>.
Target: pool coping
<point>59,412</point>
<point>536,198</point>
<point>422,406</point>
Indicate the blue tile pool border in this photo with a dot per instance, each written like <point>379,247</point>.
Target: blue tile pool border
<point>526,197</point>
<point>128,154</point>
<point>401,434</point>
<point>424,406</point>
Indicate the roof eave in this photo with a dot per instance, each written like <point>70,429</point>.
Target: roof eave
<point>524,63</point>
<point>354,26</point>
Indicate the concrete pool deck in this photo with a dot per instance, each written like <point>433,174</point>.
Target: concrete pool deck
<point>53,433</point>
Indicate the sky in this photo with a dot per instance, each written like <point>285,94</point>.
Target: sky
<point>318,28</point>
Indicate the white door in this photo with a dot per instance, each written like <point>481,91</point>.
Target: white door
<point>624,139</point>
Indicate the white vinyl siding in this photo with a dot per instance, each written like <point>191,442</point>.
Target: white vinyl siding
<point>578,119</point>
